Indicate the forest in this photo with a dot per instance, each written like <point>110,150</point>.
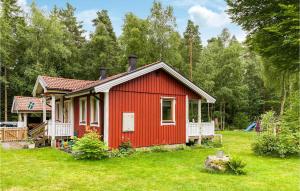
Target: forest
<point>246,78</point>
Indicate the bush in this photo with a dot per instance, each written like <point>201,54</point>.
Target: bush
<point>235,166</point>
<point>90,147</point>
<point>241,120</point>
<point>278,138</point>
<point>125,148</point>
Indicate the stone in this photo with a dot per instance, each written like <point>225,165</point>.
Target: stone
<point>216,163</point>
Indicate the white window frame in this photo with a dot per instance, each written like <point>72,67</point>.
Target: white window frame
<point>57,111</point>
<point>68,102</point>
<point>173,122</point>
<point>92,98</point>
<point>81,122</point>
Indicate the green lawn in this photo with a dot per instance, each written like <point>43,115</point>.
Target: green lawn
<point>50,169</point>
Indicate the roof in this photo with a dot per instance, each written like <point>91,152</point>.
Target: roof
<point>110,78</point>
<point>28,104</point>
<point>58,83</point>
<point>73,87</point>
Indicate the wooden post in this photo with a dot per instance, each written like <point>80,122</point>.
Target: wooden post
<point>53,142</point>
<point>187,118</point>
<point>72,114</point>
<point>44,109</point>
<point>25,119</point>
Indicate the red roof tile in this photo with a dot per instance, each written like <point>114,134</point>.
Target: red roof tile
<point>58,83</point>
<point>22,104</point>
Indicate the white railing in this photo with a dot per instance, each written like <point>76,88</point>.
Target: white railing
<point>12,124</point>
<point>193,129</point>
<point>208,128</point>
<point>61,129</point>
<point>205,129</point>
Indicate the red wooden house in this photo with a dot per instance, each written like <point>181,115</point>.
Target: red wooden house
<point>148,106</point>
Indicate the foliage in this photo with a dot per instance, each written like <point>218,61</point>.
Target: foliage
<point>210,143</point>
<point>235,166</point>
<point>280,138</point>
<point>241,120</point>
<point>125,148</point>
<point>89,147</point>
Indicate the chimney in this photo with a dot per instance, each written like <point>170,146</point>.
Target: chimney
<point>132,60</point>
<point>102,73</point>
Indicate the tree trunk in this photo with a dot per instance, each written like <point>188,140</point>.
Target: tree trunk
<point>220,109</point>
<point>283,95</point>
<point>191,57</point>
<point>5,94</point>
<point>224,116</point>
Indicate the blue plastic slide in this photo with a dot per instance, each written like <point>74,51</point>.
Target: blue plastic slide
<point>251,126</point>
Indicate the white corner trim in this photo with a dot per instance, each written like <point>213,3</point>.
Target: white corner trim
<point>106,118</point>
<point>187,120</point>
<point>41,81</point>
<point>161,65</point>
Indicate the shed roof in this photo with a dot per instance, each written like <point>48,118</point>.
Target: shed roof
<point>28,104</point>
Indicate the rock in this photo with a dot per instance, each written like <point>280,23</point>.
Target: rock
<point>216,163</point>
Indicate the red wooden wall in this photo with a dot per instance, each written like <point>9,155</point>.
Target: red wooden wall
<point>82,129</point>
<point>142,96</point>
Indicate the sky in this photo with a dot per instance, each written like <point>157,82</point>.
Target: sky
<point>210,15</point>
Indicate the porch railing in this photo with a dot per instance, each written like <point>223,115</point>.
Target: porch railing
<point>204,129</point>
<point>12,124</point>
<point>207,128</point>
<point>61,129</point>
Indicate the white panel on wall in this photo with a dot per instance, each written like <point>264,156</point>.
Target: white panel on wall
<point>128,122</point>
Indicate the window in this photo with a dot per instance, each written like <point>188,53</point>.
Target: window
<point>168,111</point>
<point>67,112</point>
<point>82,111</point>
<point>193,111</point>
<point>57,111</point>
<point>94,105</point>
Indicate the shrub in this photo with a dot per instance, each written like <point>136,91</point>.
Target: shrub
<point>235,166</point>
<point>125,148</point>
<point>278,138</point>
<point>240,120</point>
<point>210,143</point>
<point>90,147</point>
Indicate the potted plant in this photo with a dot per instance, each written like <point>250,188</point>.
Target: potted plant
<point>31,144</point>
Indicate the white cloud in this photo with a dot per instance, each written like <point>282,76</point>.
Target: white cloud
<point>24,5</point>
<point>86,17</point>
<point>207,17</point>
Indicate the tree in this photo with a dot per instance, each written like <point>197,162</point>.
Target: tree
<point>45,52</point>
<point>274,33</point>
<point>102,49</point>
<point>11,21</point>
<point>191,46</point>
<point>74,40</point>
<point>134,39</point>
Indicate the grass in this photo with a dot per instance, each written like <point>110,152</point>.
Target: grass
<point>50,169</point>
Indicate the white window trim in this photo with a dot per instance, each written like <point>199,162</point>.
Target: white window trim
<point>80,110</point>
<point>57,111</point>
<point>69,111</point>
<point>91,112</point>
<point>162,123</point>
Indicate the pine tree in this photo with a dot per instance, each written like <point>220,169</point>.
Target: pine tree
<point>102,49</point>
<point>191,47</point>
<point>74,40</point>
<point>11,21</point>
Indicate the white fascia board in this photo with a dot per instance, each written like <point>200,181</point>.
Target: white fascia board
<point>106,86</point>
<point>13,106</point>
<point>40,81</point>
